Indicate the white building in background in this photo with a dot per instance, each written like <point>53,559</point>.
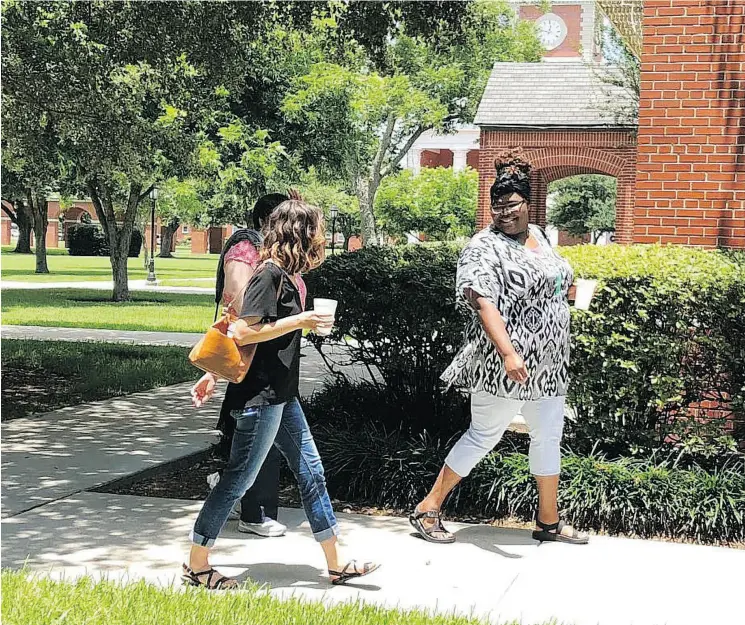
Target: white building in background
<point>452,150</point>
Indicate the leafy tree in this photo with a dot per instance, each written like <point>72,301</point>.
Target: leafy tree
<point>621,77</point>
<point>326,195</point>
<point>126,92</point>
<point>33,165</point>
<point>583,204</point>
<point>179,202</point>
<point>360,118</point>
<point>235,167</point>
<point>439,202</point>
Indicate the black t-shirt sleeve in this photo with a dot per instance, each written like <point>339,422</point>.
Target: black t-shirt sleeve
<point>260,299</point>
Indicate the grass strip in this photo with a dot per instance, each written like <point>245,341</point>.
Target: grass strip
<point>39,376</point>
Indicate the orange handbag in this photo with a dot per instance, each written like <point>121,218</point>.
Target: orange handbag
<point>217,353</point>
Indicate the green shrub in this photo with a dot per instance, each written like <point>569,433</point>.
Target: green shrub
<point>88,240</point>
<point>664,334</point>
<point>629,496</point>
<point>399,306</point>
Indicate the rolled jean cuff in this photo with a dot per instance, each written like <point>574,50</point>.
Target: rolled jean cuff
<point>201,541</point>
<point>326,534</point>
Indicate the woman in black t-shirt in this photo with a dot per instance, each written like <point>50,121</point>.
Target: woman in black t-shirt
<point>273,319</point>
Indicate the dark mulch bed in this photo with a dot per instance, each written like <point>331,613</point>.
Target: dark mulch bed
<point>190,482</point>
<point>30,390</point>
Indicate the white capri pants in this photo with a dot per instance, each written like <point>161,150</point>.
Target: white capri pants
<point>490,416</point>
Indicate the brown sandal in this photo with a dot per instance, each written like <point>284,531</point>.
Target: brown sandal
<point>427,531</point>
<point>192,578</point>
<point>343,576</point>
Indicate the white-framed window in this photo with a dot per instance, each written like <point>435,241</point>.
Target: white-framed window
<point>185,229</point>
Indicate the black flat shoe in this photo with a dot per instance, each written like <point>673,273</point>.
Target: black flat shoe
<point>551,532</point>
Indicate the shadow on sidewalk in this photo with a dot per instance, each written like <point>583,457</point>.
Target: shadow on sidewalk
<point>496,540</point>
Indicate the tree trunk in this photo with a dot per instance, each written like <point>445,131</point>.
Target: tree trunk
<point>41,221</point>
<point>25,225</point>
<point>367,216</point>
<point>119,271</point>
<point>166,239</point>
<point>118,237</point>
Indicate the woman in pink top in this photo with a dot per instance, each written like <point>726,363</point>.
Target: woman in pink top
<point>257,510</point>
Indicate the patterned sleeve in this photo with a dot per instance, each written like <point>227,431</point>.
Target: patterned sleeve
<point>243,252</point>
<point>479,269</point>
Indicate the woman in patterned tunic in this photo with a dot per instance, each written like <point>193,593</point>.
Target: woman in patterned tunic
<point>516,353</point>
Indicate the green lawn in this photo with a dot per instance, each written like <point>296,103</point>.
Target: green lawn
<point>41,601</point>
<point>39,376</point>
<point>86,308</point>
<point>65,268</point>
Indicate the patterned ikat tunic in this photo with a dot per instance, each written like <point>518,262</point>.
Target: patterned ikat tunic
<point>529,288</point>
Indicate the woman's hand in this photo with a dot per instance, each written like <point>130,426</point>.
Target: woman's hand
<point>311,320</point>
<point>203,390</point>
<point>515,367</point>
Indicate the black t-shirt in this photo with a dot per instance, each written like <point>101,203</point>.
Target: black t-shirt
<point>274,374</point>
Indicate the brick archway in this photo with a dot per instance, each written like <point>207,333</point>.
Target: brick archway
<point>556,154</point>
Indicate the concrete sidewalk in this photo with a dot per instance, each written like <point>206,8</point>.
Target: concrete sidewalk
<point>49,456</point>
<point>40,333</point>
<point>496,574</point>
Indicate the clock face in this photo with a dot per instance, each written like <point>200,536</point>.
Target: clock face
<point>551,30</point>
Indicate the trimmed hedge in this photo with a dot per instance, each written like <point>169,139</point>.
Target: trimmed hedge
<point>89,240</point>
<point>665,334</point>
<point>626,496</point>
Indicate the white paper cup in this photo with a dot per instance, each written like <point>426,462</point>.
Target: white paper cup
<point>325,307</point>
<point>585,291</point>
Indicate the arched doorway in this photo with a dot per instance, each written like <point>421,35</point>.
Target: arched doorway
<point>554,164</point>
<point>76,215</point>
<point>556,154</point>
<point>557,114</point>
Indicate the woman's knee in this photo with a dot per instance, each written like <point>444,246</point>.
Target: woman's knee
<point>545,453</point>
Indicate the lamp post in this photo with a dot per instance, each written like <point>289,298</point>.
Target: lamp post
<point>151,279</point>
<point>334,213</point>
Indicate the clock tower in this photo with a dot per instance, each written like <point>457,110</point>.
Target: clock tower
<point>567,30</point>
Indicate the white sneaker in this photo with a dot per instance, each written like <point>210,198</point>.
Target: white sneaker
<point>235,511</point>
<point>269,528</point>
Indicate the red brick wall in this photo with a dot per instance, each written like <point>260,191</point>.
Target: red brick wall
<point>557,154</point>
<point>572,16</point>
<point>691,178</point>
<point>5,238</point>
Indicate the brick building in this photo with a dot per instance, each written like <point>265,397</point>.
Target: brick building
<point>201,241</point>
<point>690,185</point>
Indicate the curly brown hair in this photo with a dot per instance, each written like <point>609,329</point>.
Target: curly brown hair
<point>295,237</point>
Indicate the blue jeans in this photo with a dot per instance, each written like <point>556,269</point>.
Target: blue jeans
<point>257,429</point>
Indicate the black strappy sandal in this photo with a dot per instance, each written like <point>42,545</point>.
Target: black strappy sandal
<point>415,518</point>
<point>192,578</point>
<point>551,532</point>
<point>343,576</point>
